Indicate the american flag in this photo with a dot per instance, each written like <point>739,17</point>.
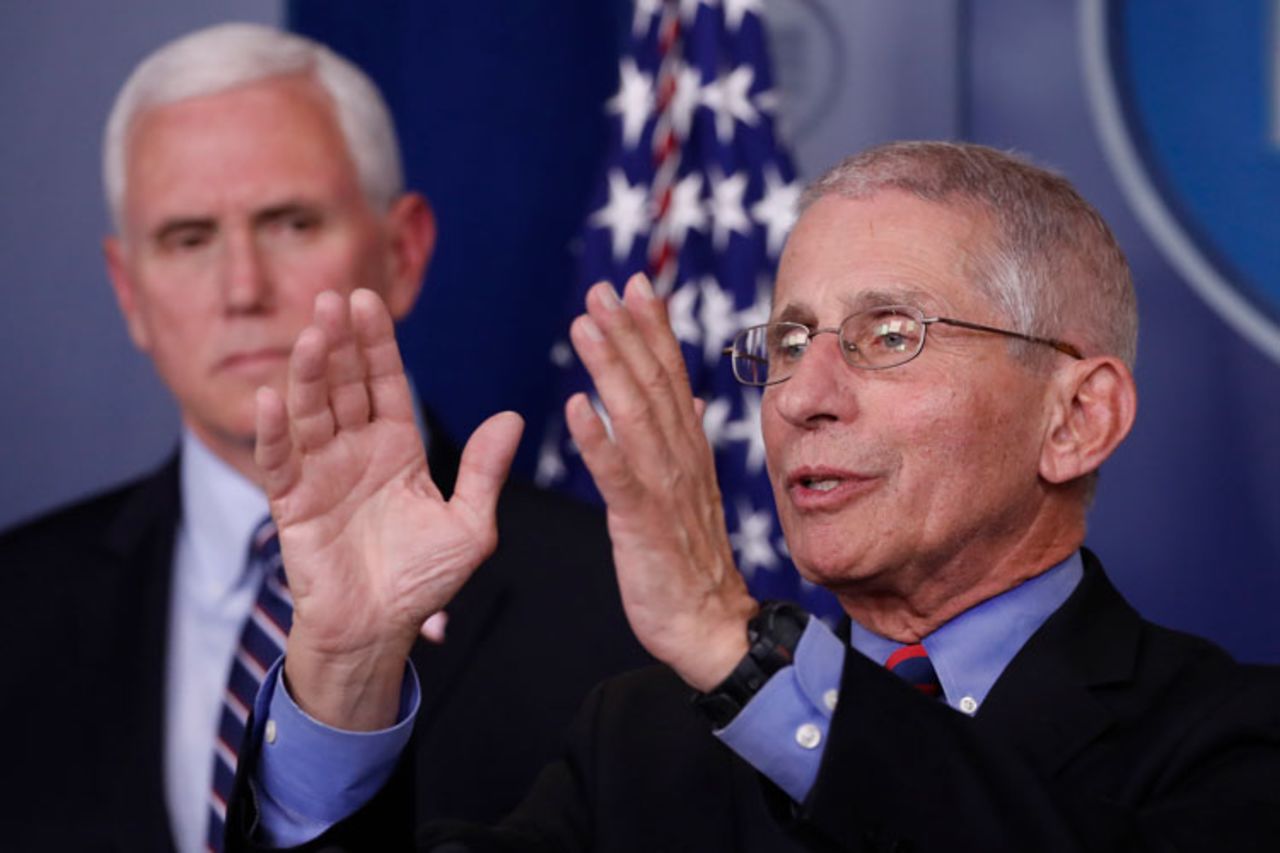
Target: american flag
<point>698,192</point>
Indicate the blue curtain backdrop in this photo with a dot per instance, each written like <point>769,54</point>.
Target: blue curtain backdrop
<point>499,107</point>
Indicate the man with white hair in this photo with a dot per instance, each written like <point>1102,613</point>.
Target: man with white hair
<point>946,366</point>
<point>248,170</point>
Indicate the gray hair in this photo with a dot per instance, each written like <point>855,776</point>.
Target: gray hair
<point>1054,268</point>
<point>225,56</point>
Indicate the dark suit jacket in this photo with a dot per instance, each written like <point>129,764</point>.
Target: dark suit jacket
<point>85,593</point>
<point>1104,733</point>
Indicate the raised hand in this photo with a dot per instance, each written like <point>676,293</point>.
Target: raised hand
<point>370,546</point>
<point>683,595</point>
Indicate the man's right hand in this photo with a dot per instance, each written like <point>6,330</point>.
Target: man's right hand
<point>684,597</point>
<point>370,546</point>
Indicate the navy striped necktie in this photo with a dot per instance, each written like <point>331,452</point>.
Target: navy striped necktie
<point>261,643</point>
<point>912,665</point>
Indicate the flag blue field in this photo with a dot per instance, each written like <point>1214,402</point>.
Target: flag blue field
<point>698,192</point>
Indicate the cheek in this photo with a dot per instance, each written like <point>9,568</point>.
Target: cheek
<point>341,265</point>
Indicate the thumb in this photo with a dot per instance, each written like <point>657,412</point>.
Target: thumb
<point>485,462</point>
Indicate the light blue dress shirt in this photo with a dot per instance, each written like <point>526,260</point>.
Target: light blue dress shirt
<point>211,598</point>
<point>781,732</point>
<point>310,776</point>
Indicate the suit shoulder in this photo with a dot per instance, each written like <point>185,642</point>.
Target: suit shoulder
<point>91,520</point>
<point>522,498</point>
<point>557,533</point>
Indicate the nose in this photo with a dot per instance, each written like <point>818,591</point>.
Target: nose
<point>820,390</point>
<point>246,278</point>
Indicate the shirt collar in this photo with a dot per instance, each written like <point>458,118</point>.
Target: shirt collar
<point>971,650</point>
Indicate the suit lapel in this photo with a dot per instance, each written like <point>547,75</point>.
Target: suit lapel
<point>1045,702</point>
<point>126,633</point>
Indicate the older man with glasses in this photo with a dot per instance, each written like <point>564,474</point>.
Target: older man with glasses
<point>990,691</point>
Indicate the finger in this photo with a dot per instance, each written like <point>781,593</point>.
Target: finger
<point>650,316</point>
<point>486,459</point>
<point>632,412</point>
<point>655,389</point>
<point>388,387</point>
<point>308,394</point>
<point>699,408</point>
<point>348,393</point>
<point>608,466</point>
<point>433,629</point>
<point>274,449</point>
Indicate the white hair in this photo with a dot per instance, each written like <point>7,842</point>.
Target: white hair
<point>1053,269</point>
<point>225,56</point>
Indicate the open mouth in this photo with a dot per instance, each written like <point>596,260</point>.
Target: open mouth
<point>820,484</point>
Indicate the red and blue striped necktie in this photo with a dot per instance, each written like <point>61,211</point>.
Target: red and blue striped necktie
<point>261,643</point>
<point>912,665</point>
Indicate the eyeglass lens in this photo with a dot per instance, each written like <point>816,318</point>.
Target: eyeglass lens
<point>879,338</point>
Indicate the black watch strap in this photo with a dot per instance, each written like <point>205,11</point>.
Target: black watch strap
<point>773,635</point>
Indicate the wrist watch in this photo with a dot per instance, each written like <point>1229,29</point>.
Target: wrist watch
<point>772,635</point>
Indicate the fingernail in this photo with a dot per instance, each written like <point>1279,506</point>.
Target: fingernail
<point>589,328</point>
<point>609,297</point>
<point>639,285</point>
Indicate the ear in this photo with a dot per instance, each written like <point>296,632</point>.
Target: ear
<point>1095,404</point>
<point>412,237</point>
<point>127,296</point>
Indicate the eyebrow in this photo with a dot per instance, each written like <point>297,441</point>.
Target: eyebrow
<point>167,228</point>
<point>286,209</point>
<point>292,207</point>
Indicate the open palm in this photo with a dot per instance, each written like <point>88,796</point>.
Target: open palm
<point>370,545</point>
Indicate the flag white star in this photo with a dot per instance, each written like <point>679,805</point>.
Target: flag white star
<point>717,317</point>
<point>680,313</point>
<point>734,10</point>
<point>727,213</point>
<point>689,8</point>
<point>686,211</point>
<point>727,98</point>
<point>643,19</point>
<point>776,209</point>
<point>714,420</point>
<point>685,98</point>
<point>757,313</point>
<point>747,428</point>
<point>767,102</point>
<point>626,213</point>
<point>633,100</point>
<point>751,540</point>
<point>551,468</point>
<point>561,354</point>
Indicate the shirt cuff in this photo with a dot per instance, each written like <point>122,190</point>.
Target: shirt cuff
<point>782,731</point>
<point>310,776</point>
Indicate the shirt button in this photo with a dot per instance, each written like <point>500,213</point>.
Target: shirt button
<point>808,736</point>
<point>830,698</point>
<point>969,705</point>
<point>270,732</point>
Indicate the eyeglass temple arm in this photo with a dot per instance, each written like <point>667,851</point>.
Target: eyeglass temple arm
<point>1060,346</point>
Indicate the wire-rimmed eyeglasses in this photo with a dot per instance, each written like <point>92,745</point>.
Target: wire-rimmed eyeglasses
<point>874,339</point>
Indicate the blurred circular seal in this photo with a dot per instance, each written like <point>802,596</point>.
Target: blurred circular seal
<point>808,58</point>
<point>1186,97</point>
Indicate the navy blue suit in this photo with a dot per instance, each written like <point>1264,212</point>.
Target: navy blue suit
<point>86,598</point>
